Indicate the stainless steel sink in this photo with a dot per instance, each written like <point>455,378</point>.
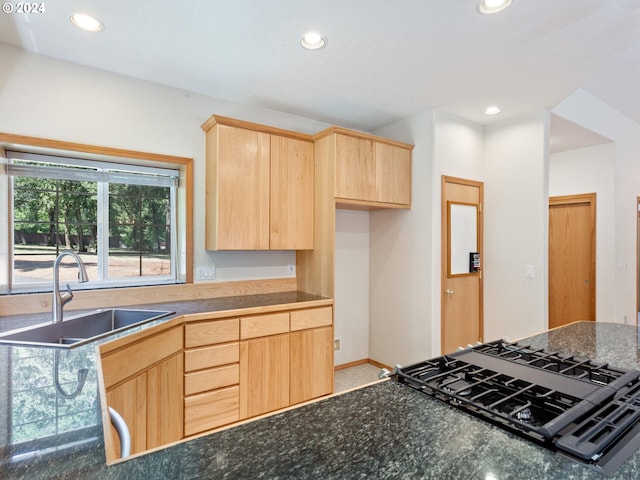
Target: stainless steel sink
<point>81,329</point>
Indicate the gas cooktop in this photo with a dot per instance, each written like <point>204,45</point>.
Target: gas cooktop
<point>583,410</point>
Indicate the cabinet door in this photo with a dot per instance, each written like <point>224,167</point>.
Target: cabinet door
<point>355,168</point>
<point>292,194</point>
<point>393,174</point>
<point>165,402</point>
<point>144,382</point>
<point>130,400</point>
<point>151,404</point>
<point>311,364</point>
<point>238,174</point>
<point>264,375</point>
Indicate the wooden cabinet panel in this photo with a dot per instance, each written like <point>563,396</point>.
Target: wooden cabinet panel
<point>393,174</point>
<point>259,187</point>
<point>263,325</point>
<point>264,375</point>
<point>130,401</point>
<point>136,357</point>
<point>151,404</point>
<point>311,318</point>
<point>355,168</point>
<point>292,197</point>
<point>203,380</point>
<point>211,356</point>
<point>371,172</point>
<point>164,402</point>
<point>211,332</point>
<point>311,364</point>
<point>237,194</point>
<point>211,394</point>
<point>210,410</point>
<point>143,381</point>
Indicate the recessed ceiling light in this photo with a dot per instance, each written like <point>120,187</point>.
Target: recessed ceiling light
<point>86,22</point>
<point>313,41</point>
<point>492,110</point>
<point>492,6</point>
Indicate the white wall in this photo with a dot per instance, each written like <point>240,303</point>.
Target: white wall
<point>516,226</point>
<point>48,98</point>
<point>459,146</point>
<point>589,170</point>
<point>401,258</point>
<point>351,312</point>
<point>511,159</point>
<point>405,246</point>
<point>588,111</point>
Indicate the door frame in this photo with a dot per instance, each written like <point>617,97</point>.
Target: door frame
<point>591,199</point>
<point>444,249</point>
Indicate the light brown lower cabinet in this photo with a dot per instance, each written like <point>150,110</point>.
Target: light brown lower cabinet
<point>211,375</point>
<point>173,381</point>
<point>264,375</point>
<point>209,410</point>
<point>164,418</point>
<point>311,364</point>
<point>143,383</point>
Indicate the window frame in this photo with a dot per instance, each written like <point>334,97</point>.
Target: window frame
<point>184,194</point>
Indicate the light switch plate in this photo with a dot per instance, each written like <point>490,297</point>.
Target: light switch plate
<point>206,273</point>
<point>529,271</point>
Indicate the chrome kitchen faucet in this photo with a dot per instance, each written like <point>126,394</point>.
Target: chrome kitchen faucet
<point>60,299</point>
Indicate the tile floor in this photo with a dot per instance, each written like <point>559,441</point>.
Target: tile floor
<point>355,376</point>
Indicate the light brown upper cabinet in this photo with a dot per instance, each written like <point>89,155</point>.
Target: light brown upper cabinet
<point>259,187</point>
<point>370,172</point>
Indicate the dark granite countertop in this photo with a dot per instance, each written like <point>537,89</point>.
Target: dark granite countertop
<point>383,431</point>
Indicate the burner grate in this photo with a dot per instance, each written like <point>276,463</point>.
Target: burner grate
<point>601,374</point>
<point>585,410</point>
<point>496,393</point>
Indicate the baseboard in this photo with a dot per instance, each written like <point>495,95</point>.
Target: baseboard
<point>379,365</point>
<point>363,361</point>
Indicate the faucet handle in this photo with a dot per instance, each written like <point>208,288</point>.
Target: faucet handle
<point>67,296</point>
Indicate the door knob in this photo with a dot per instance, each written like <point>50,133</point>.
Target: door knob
<point>448,292</point>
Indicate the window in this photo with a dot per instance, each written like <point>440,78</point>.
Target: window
<point>120,219</point>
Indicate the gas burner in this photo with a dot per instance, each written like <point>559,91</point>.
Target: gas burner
<point>525,415</point>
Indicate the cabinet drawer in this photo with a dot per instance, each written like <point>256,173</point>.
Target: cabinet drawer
<point>212,332</point>
<point>210,410</point>
<point>264,325</point>
<point>214,356</point>
<point>203,380</point>
<point>311,318</point>
<point>132,359</point>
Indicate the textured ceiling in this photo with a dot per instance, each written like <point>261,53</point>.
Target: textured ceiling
<point>385,60</point>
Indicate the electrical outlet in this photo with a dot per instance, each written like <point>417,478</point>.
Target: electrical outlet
<point>291,269</point>
<point>336,344</point>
